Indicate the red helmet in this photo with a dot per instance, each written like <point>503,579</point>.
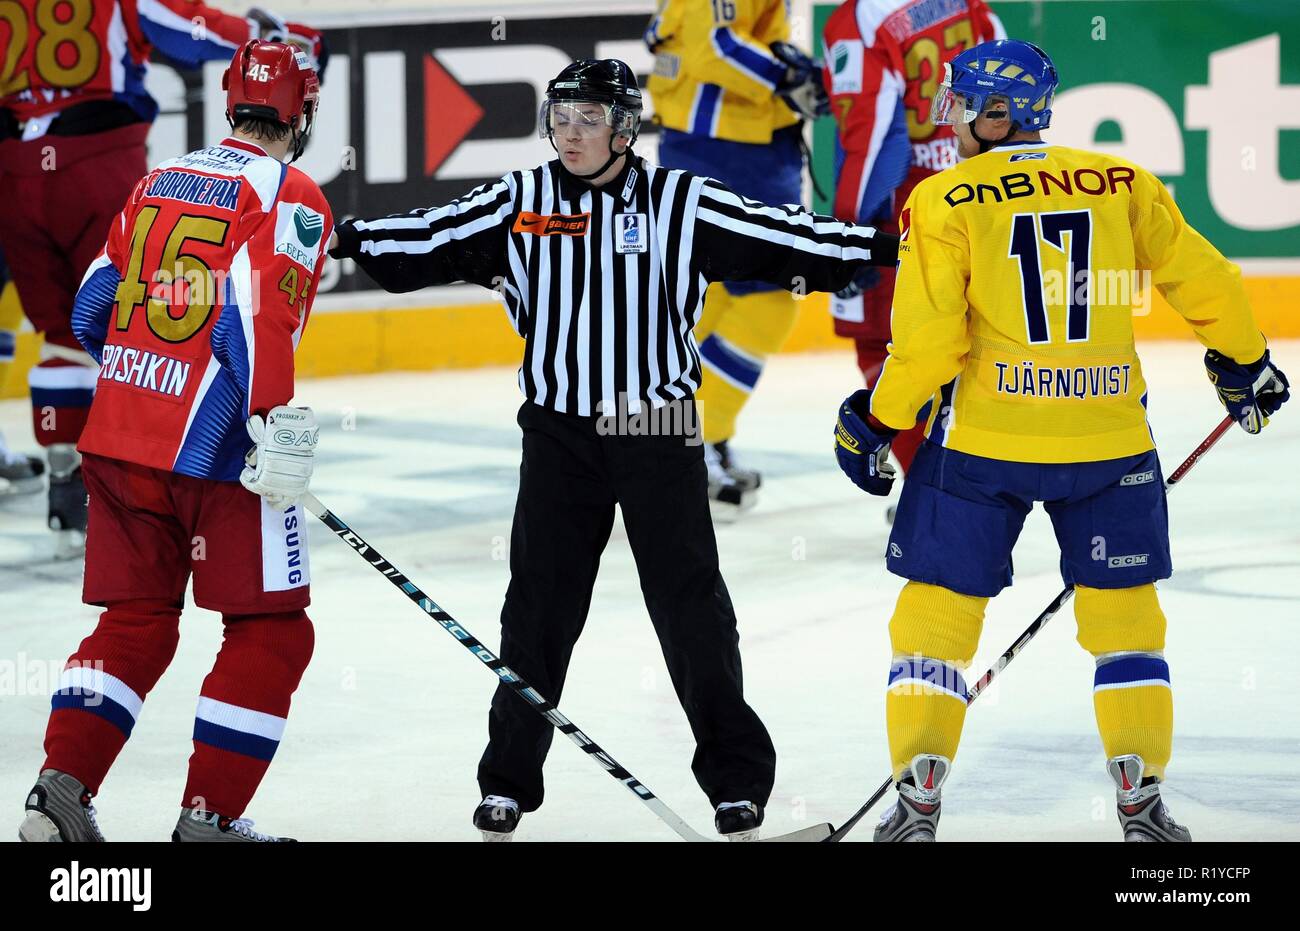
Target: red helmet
<point>272,80</point>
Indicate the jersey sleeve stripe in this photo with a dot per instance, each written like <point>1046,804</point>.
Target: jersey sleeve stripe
<point>746,57</point>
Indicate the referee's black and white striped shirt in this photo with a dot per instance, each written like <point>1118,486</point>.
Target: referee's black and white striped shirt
<point>606,284</point>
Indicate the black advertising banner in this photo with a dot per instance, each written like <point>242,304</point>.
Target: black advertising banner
<point>416,114</point>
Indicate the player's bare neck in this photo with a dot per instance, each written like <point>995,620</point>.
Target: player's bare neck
<point>277,150</point>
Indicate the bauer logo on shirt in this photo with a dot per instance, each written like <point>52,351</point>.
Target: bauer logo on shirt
<point>298,231</point>
<point>631,233</point>
<point>846,67</point>
<point>552,224</point>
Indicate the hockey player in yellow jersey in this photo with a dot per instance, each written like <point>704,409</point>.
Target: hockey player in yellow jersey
<point>19,474</point>
<point>729,91</point>
<point>1012,316</point>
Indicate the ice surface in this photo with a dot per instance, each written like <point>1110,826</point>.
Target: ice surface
<point>390,719</point>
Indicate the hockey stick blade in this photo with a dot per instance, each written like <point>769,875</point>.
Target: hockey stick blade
<point>813,835</point>
<point>1039,623</point>
<point>512,680</point>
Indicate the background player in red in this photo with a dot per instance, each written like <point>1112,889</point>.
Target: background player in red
<point>74,114</point>
<point>883,63</point>
<point>193,311</point>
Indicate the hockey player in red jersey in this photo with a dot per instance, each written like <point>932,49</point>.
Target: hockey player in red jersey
<point>883,63</point>
<point>74,114</point>
<point>192,313</point>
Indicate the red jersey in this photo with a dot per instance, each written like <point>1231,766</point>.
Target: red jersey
<point>196,305</point>
<point>883,62</point>
<point>55,53</point>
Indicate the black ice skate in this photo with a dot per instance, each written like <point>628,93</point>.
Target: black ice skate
<point>747,479</point>
<point>496,817</point>
<point>915,815</point>
<point>1142,813</point>
<point>67,514</point>
<point>210,827</point>
<point>729,497</point>
<point>20,475</point>
<point>738,821</point>
<point>59,810</point>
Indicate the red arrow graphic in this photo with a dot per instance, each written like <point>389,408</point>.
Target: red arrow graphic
<point>449,114</point>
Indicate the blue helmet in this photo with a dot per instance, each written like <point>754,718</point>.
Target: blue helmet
<point>1015,71</point>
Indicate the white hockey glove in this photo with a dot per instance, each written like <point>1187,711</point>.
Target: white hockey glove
<point>310,42</point>
<point>279,467</point>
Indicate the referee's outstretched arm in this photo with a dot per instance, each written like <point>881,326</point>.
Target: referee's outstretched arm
<point>738,239</point>
<point>462,241</point>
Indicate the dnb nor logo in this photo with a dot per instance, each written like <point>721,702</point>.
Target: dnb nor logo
<point>631,233</point>
<point>298,231</point>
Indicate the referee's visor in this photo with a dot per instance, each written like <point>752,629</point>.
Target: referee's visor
<point>585,118</point>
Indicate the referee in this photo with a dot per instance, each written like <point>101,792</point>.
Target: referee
<point>602,260</point>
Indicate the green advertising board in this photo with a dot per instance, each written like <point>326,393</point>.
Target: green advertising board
<point>1204,93</point>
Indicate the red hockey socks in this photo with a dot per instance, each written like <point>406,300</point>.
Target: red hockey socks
<point>104,684</point>
<point>242,708</point>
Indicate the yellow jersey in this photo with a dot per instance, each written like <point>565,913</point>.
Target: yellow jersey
<point>715,74</point>
<point>1019,272</point>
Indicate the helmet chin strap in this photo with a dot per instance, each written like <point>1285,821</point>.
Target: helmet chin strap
<point>986,144</point>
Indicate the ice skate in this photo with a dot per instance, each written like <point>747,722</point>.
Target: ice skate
<point>19,474</point>
<point>915,815</point>
<point>1142,813</point>
<point>738,821</point>
<point>747,479</point>
<point>728,498</point>
<point>59,810</point>
<point>496,818</point>
<point>67,513</point>
<point>210,827</point>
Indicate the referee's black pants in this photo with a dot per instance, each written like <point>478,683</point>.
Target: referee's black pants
<point>569,481</point>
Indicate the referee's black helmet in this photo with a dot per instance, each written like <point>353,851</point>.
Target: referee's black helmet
<point>606,81</point>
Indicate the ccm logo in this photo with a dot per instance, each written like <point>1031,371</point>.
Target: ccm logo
<point>1138,478</point>
<point>1121,562</point>
<point>292,438</point>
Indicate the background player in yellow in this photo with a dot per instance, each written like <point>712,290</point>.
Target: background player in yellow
<point>730,90</point>
<point>19,474</point>
<point>1013,311</point>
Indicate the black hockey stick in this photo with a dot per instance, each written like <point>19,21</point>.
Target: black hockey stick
<point>1032,630</point>
<point>521,688</point>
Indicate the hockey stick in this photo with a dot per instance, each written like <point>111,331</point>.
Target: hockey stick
<point>521,688</point>
<point>1032,630</point>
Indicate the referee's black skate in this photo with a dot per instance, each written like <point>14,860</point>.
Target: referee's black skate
<point>738,821</point>
<point>915,815</point>
<point>496,818</point>
<point>196,825</point>
<point>1142,813</point>
<point>59,810</point>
